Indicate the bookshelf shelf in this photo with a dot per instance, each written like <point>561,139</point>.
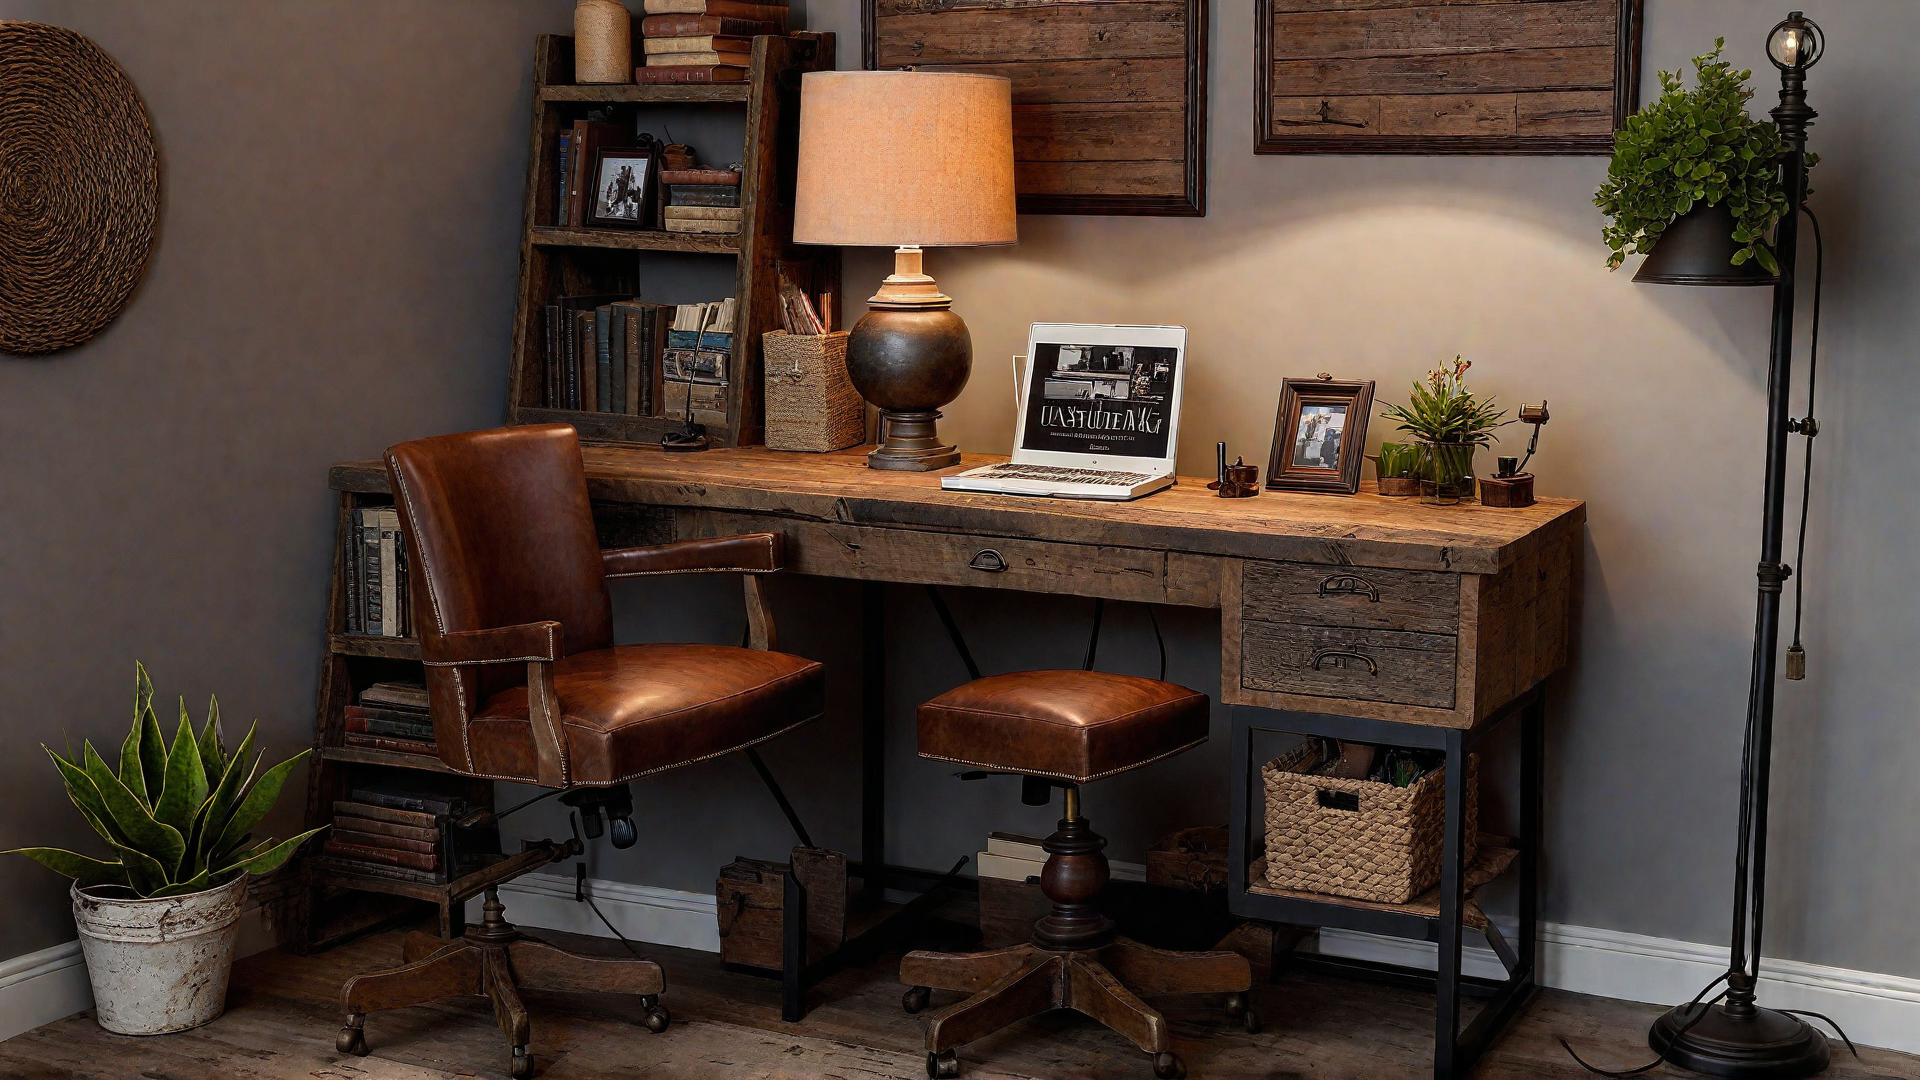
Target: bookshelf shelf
<point>362,756</point>
<point>558,262</point>
<point>393,648</point>
<point>635,240</point>
<point>722,94</point>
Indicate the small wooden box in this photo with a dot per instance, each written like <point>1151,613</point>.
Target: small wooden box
<point>751,906</point>
<point>1507,492</point>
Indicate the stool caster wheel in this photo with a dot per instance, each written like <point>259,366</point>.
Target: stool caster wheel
<point>658,1018</point>
<point>1168,1066</point>
<point>522,1064</point>
<point>943,1066</point>
<point>353,1037</point>
<point>1236,1006</point>
<point>1250,1020</point>
<point>915,998</point>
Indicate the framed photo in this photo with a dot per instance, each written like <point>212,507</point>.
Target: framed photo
<point>1319,436</point>
<point>623,186</point>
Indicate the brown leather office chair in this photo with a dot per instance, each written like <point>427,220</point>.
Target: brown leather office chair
<point>509,591</point>
<point>1067,728</point>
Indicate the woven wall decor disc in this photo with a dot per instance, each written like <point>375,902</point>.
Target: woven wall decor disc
<point>79,188</point>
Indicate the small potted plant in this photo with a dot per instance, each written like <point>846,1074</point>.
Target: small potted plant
<point>159,921</point>
<point>1397,466</point>
<point>1448,424</point>
<point>1696,154</point>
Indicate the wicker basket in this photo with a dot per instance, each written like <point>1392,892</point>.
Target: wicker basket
<point>811,405</point>
<point>1358,838</point>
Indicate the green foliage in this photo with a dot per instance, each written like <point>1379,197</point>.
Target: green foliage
<point>1443,410</point>
<point>178,819</point>
<point>1396,460</point>
<point>1695,147</point>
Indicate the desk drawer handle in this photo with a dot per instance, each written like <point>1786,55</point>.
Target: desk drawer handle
<point>988,561</point>
<point>1349,585</point>
<point>1345,654</point>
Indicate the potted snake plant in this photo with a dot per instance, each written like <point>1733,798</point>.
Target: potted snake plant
<point>1398,468</point>
<point>158,922</point>
<point>1448,424</point>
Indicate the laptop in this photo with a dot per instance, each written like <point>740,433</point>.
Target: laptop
<point>1099,415</point>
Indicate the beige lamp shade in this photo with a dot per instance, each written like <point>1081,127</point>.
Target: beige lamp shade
<point>902,158</point>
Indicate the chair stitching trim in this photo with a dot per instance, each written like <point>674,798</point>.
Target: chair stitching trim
<point>664,768</point>
<point>439,621</point>
<point>1003,766</point>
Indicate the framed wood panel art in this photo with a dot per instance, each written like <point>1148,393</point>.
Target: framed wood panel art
<point>1109,96</point>
<point>1445,76</point>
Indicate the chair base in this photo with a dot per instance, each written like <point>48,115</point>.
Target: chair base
<point>494,959</point>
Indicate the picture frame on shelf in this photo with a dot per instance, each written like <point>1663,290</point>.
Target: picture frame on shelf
<point>625,183</point>
<point>1320,435</point>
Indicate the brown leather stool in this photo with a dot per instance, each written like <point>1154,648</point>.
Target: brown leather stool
<point>1067,727</point>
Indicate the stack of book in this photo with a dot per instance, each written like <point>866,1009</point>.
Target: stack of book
<point>697,357</point>
<point>376,565</point>
<point>393,832</point>
<point>603,354</point>
<point>704,41</point>
<point>1010,857</point>
<point>701,200</point>
<point>391,716</point>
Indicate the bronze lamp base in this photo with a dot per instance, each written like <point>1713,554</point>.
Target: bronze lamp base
<point>909,355</point>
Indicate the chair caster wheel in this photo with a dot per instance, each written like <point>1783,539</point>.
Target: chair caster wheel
<point>1168,1066</point>
<point>522,1064</point>
<point>1236,1006</point>
<point>353,1038</point>
<point>658,1018</point>
<point>915,998</point>
<point>1250,1020</point>
<point>943,1066</point>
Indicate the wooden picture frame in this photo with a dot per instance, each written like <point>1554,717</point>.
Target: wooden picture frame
<point>1109,99</point>
<point>1335,412</point>
<point>1459,77</point>
<point>635,208</point>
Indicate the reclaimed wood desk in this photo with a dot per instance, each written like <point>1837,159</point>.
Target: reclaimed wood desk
<point>1355,617</point>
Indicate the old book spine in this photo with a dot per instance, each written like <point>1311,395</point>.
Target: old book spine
<point>407,800</point>
<point>617,359</point>
<point>389,578</point>
<point>552,386</point>
<point>563,174</point>
<point>377,840</point>
<point>413,860</point>
<point>698,43</point>
<point>372,869</point>
<point>392,744</point>
<point>657,26</point>
<point>366,725</point>
<point>704,213</point>
<point>603,358</point>
<point>585,362</point>
<point>698,59</point>
<point>725,9</point>
<point>370,589</point>
<point>350,565</point>
<point>697,225</point>
<point>355,823</point>
<point>395,815</point>
<point>714,74</point>
<point>702,195</point>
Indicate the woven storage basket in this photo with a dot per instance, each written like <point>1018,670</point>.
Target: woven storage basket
<point>811,404</point>
<point>1358,838</point>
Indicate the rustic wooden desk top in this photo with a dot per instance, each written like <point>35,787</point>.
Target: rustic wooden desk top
<point>1364,529</point>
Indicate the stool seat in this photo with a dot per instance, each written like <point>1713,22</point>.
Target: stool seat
<point>1073,726</point>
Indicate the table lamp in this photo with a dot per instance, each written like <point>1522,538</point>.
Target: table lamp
<point>906,160</point>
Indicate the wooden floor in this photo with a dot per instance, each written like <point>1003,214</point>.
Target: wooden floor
<point>283,1014</point>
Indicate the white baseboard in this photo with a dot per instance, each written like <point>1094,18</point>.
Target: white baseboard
<point>41,987</point>
<point>1877,1010</point>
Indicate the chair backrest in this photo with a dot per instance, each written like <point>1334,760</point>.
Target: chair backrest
<point>499,532</point>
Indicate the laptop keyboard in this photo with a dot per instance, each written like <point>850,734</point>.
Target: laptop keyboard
<point>1059,475</point>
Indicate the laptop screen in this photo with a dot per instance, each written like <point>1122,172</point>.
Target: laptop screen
<point>1100,399</point>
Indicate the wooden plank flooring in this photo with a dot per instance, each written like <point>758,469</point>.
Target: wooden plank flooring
<point>282,1018</point>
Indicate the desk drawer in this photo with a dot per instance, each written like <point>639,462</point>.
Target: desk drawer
<point>1355,596</point>
<point>1394,666</point>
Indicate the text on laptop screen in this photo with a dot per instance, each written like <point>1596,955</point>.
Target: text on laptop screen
<point>1100,399</point>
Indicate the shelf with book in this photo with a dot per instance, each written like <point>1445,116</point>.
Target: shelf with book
<point>635,240</point>
<point>562,268</point>
<point>392,759</point>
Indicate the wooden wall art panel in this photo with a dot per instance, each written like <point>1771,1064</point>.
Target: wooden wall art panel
<point>1109,96</point>
<point>1445,76</point>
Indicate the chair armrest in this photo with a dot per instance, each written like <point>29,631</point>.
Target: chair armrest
<point>754,553</point>
<point>533,642</point>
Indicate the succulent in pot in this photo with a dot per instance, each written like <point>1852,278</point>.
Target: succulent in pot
<point>1448,423</point>
<point>1696,153</point>
<point>158,922</point>
<point>1398,468</point>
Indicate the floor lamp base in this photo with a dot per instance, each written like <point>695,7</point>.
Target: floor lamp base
<point>1768,1045</point>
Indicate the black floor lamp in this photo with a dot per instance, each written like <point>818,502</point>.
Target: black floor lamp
<point>1735,1037</point>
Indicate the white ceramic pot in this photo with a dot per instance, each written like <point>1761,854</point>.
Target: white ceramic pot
<point>159,965</point>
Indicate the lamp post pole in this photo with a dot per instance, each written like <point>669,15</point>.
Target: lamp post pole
<point>1738,1038</point>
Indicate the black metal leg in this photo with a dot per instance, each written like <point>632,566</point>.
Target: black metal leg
<point>873,742</point>
<point>1446,1020</point>
<point>793,951</point>
<point>1533,741</point>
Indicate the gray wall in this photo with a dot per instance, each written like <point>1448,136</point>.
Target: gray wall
<point>321,290</point>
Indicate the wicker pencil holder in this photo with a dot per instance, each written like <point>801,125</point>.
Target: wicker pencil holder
<point>1358,838</point>
<point>811,404</point>
<point>602,42</point>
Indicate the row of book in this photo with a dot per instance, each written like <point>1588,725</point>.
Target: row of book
<point>396,832</point>
<point>376,565</point>
<point>703,41</point>
<point>612,355</point>
<point>391,716</point>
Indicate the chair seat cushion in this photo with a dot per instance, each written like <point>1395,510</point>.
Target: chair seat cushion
<point>638,709</point>
<point>1067,725</point>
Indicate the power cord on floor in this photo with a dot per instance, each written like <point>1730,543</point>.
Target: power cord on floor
<point>581,895</point>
